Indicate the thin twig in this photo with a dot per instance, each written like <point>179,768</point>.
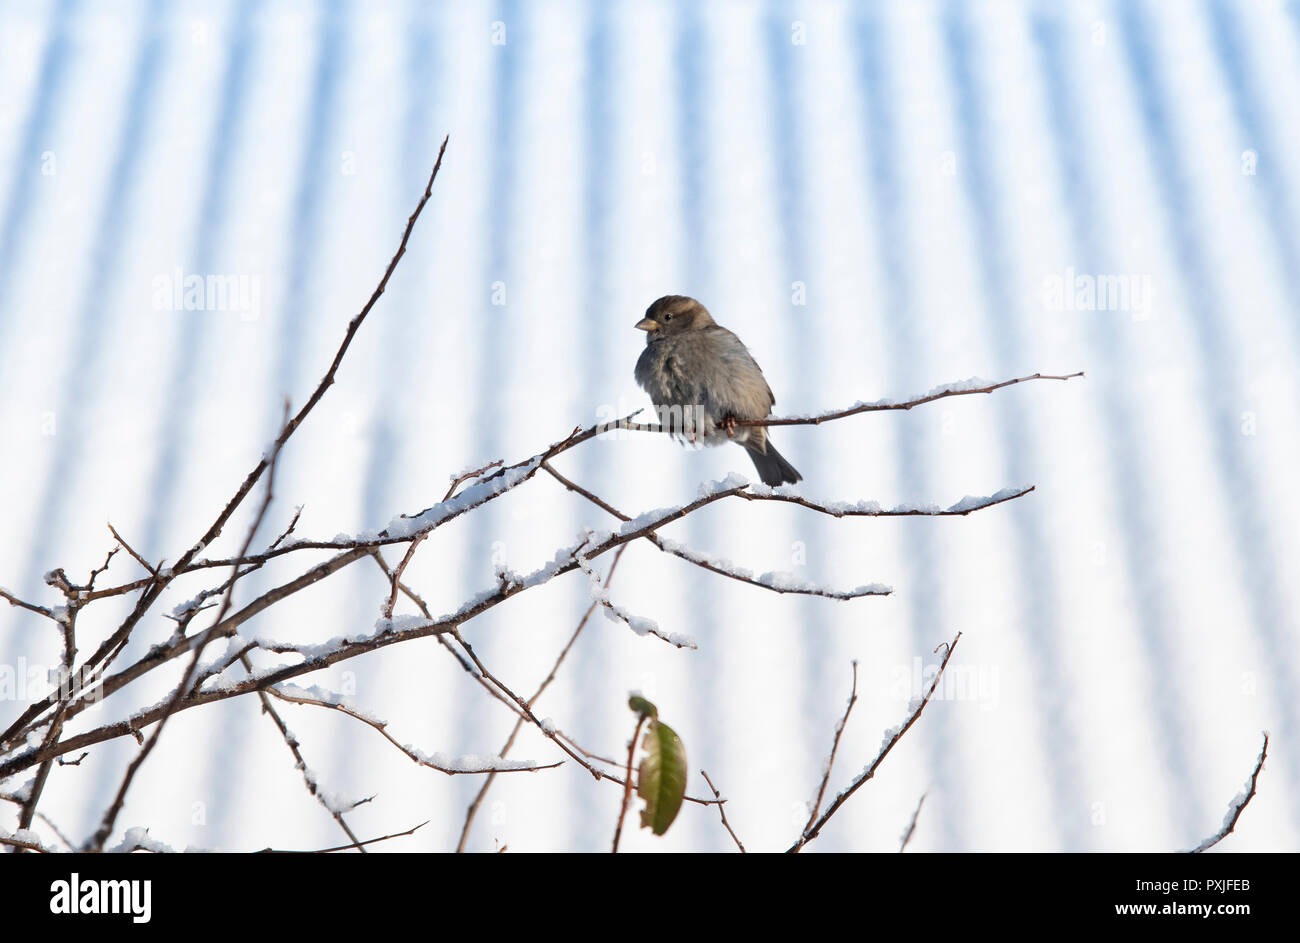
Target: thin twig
<point>105,829</point>
<point>697,560</point>
<point>810,833</point>
<point>459,480</point>
<point>883,405</point>
<point>300,762</point>
<point>18,800</point>
<point>153,570</point>
<point>911,826</point>
<point>722,811</point>
<point>356,844</point>
<point>869,509</point>
<point>1237,807</point>
<point>115,642</point>
<point>32,607</point>
<point>397,575</point>
<point>627,786</point>
<point>519,721</point>
<point>835,745</point>
<point>382,727</point>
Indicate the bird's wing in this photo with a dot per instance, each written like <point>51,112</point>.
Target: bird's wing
<point>745,392</point>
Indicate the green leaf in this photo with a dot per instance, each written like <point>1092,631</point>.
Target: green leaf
<point>661,781</point>
<point>641,706</point>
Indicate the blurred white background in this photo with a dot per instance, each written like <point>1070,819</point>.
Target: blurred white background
<point>916,174</point>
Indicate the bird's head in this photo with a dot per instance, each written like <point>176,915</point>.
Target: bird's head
<point>673,314</point>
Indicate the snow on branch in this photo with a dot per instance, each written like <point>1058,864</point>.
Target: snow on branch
<point>451,765</point>
<point>1237,806</point>
<point>39,738</point>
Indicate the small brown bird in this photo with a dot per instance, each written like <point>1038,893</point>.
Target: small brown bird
<point>703,379</point>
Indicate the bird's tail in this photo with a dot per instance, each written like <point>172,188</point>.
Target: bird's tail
<point>772,466</point>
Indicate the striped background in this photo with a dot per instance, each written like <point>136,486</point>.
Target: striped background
<point>920,170</point>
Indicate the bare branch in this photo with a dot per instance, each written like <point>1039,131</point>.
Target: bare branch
<point>519,721</point>
<point>150,568</point>
<point>891,740</point>
<point>911,826</point>
<point>105,829</point>
<point>835,745</point>
<point>300,763</point>
<point>722,811</point>
<point>397,575</point>
<point>20,800</point>
<point>627,786</point>
<point>31,607</point>
<point>356,844</point>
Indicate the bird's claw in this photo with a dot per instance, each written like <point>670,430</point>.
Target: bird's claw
<point>728,425</point>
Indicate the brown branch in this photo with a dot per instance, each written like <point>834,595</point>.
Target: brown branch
<point>397,575</point>
<point>20,844</point>
<point>31,607</point>
<point>151,569</point>
<point>647,626</point>
<point>519,721</point>
<point>300,762</point>
<point>105,829</point>
<point>94,574</point>
<point>911,826</point>
<point>869,509</point>
<point>115,642</point>
<point>627,786</point>
<point>356,844</point>
<point>1237,806</point>
<point>458,480</point>
<point>723,812</point>
<point>835,745</point>
<point>696,560</point>
<point>18,800</point>
<point>883,405</point>
<point>382,727</point>
<point>810,833</point>
<point>346,650</point>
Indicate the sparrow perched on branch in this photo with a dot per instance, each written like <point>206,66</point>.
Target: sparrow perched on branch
<point>703,380</point>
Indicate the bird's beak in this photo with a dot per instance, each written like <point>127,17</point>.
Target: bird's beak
<point>647,324</point>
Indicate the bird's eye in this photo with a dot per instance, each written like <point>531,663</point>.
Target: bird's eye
<point>668,317</point>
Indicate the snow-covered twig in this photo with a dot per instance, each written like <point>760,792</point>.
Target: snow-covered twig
<point>452,766</point>
<point>638,624</point>
<point>24,840</point>
<point>964,388</point>
<point>966,505</point>
<point>775,582</point>
<point>1237,806</point>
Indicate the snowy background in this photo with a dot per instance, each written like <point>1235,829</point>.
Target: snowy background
<point>920,175</point>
